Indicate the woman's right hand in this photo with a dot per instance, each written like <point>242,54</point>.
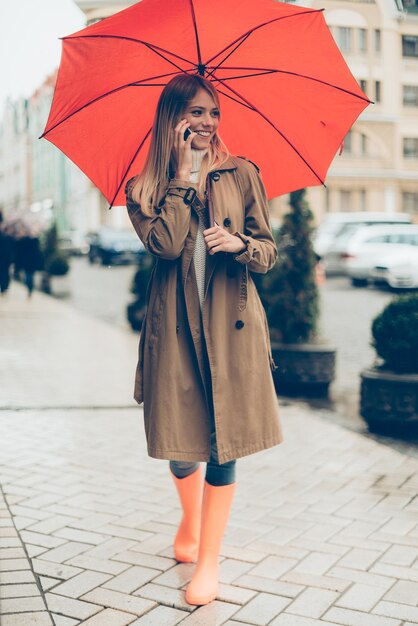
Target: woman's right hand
<point>182,150</point>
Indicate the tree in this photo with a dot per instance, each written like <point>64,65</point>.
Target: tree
<point>289,291</point>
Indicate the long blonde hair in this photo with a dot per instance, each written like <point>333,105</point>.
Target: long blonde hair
<point>159,164</point>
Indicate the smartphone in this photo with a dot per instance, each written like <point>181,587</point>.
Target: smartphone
<point>187,132</point>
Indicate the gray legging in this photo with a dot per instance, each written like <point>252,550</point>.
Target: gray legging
<point>216,474</point>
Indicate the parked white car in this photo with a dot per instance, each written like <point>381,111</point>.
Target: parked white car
<point>359,251</point>
<point>398,269</point>
<point>335,224</point>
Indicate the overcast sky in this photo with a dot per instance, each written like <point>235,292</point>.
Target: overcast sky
<point>29,44</point>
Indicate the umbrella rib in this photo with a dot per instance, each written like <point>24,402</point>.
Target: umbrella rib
<point>104,95</point>
<point>256,110</point>
<point>157,49</point>
<point>245,35</point>
<point>247,106</point>
<point>196,34</point>
<point>129,166</point>
<point>264,70</point>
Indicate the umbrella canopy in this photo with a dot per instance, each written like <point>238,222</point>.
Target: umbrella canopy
<point>287,95</point>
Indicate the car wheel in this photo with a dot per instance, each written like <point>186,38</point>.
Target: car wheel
<point>359,282</point>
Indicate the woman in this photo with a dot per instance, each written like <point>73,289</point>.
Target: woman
<point>204,370</point>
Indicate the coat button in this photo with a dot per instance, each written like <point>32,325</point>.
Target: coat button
<point>227,222</point>
<point>157,210</point>
<point>239,324</point>
<point>216,176</point>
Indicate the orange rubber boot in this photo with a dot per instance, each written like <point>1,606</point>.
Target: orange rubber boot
<point>217,501</point>
<point>186,543</point>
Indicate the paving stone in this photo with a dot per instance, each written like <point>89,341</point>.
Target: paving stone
<point>99,565</point>
<point>316,563</point>
<point>83,536</point>
<point>357,618</point>
<point>146,560</point>
<point>360,597</point>
<point>60,620</point>
<point>18,591</point>
<point>70,607</point>
<point>8,565</point>
<point>323,582</point>
<point>12,553</point>
<point>165,596</point>
<point>285,619</point>
<point>110,617</point>
<point>235,595</point>
<point>56,570</point>
<point>404,592</point>
<point>312,602</point>
<point>161,616</point>
<point>120,601</point>
<point>213,614</point>
<point>400,555</point>
<point>64,552</point>
<point>406,573</point>
<point>17,577</point>
<point>230,570</point>
<point>176,577</point>
<point>81,584</point>
<point>262,609</point>
<point>396,610</point>
<point>131,579</point>
<point>38,539</point>
<point>40,618</point>
<point>273,567</point>
<point>359,559</point>
<point>47,583</point>
<point>268,585</point>
<point>21,605</point>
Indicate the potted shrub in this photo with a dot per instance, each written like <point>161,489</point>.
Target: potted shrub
<point>55,264</point>
<point>389,389</point>
<point>135,311</point>
<point>305,364</point>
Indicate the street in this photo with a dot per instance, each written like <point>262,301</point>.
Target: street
<point>324,527</point>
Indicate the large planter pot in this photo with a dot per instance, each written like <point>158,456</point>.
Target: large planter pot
<point>303,368</point>
<point>389,401</point>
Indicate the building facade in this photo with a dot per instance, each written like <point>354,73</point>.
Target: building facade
<point>15,157</point>
<point>378,169</point>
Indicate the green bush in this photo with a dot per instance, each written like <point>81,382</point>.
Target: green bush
<point>289,292</point>
<point>395,334</point>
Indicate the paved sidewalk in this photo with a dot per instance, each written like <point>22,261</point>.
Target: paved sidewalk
<point>324,528</point>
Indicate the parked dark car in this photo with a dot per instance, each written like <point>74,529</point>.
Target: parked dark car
<point>111,246</point>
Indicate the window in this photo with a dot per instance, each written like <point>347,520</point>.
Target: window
<point>344,38</point>
<point>410,147</point>
<point>377,40</point>
<point>363,143</point>
<point>377,91</point>
<point>410,95</point>
<point>410,201</point>
<point>363,85</point>
<point>345,200</point>
<point>347,142</point>
<point>378,239</point>
<point>362,194</point>
<point>410,46</point>
<point>362,40</point>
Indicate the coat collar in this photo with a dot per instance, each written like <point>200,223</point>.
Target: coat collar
<point>230,164</point>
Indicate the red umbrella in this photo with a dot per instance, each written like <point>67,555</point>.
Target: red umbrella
<point>287,96</point>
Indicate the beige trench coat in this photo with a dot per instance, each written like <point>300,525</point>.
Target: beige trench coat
<point>170,377</point>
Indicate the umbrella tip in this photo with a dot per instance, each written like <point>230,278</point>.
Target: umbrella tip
<point>201,69</point>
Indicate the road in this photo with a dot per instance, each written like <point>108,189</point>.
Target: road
<point>345,321</point>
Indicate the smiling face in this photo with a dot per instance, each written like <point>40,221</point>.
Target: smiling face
<point>203,116</point>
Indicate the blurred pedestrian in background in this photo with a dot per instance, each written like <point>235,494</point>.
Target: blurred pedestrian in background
<point>28,258</point>
<point>6,255</point>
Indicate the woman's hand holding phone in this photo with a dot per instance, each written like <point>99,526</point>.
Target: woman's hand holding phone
<point>183,138</point>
